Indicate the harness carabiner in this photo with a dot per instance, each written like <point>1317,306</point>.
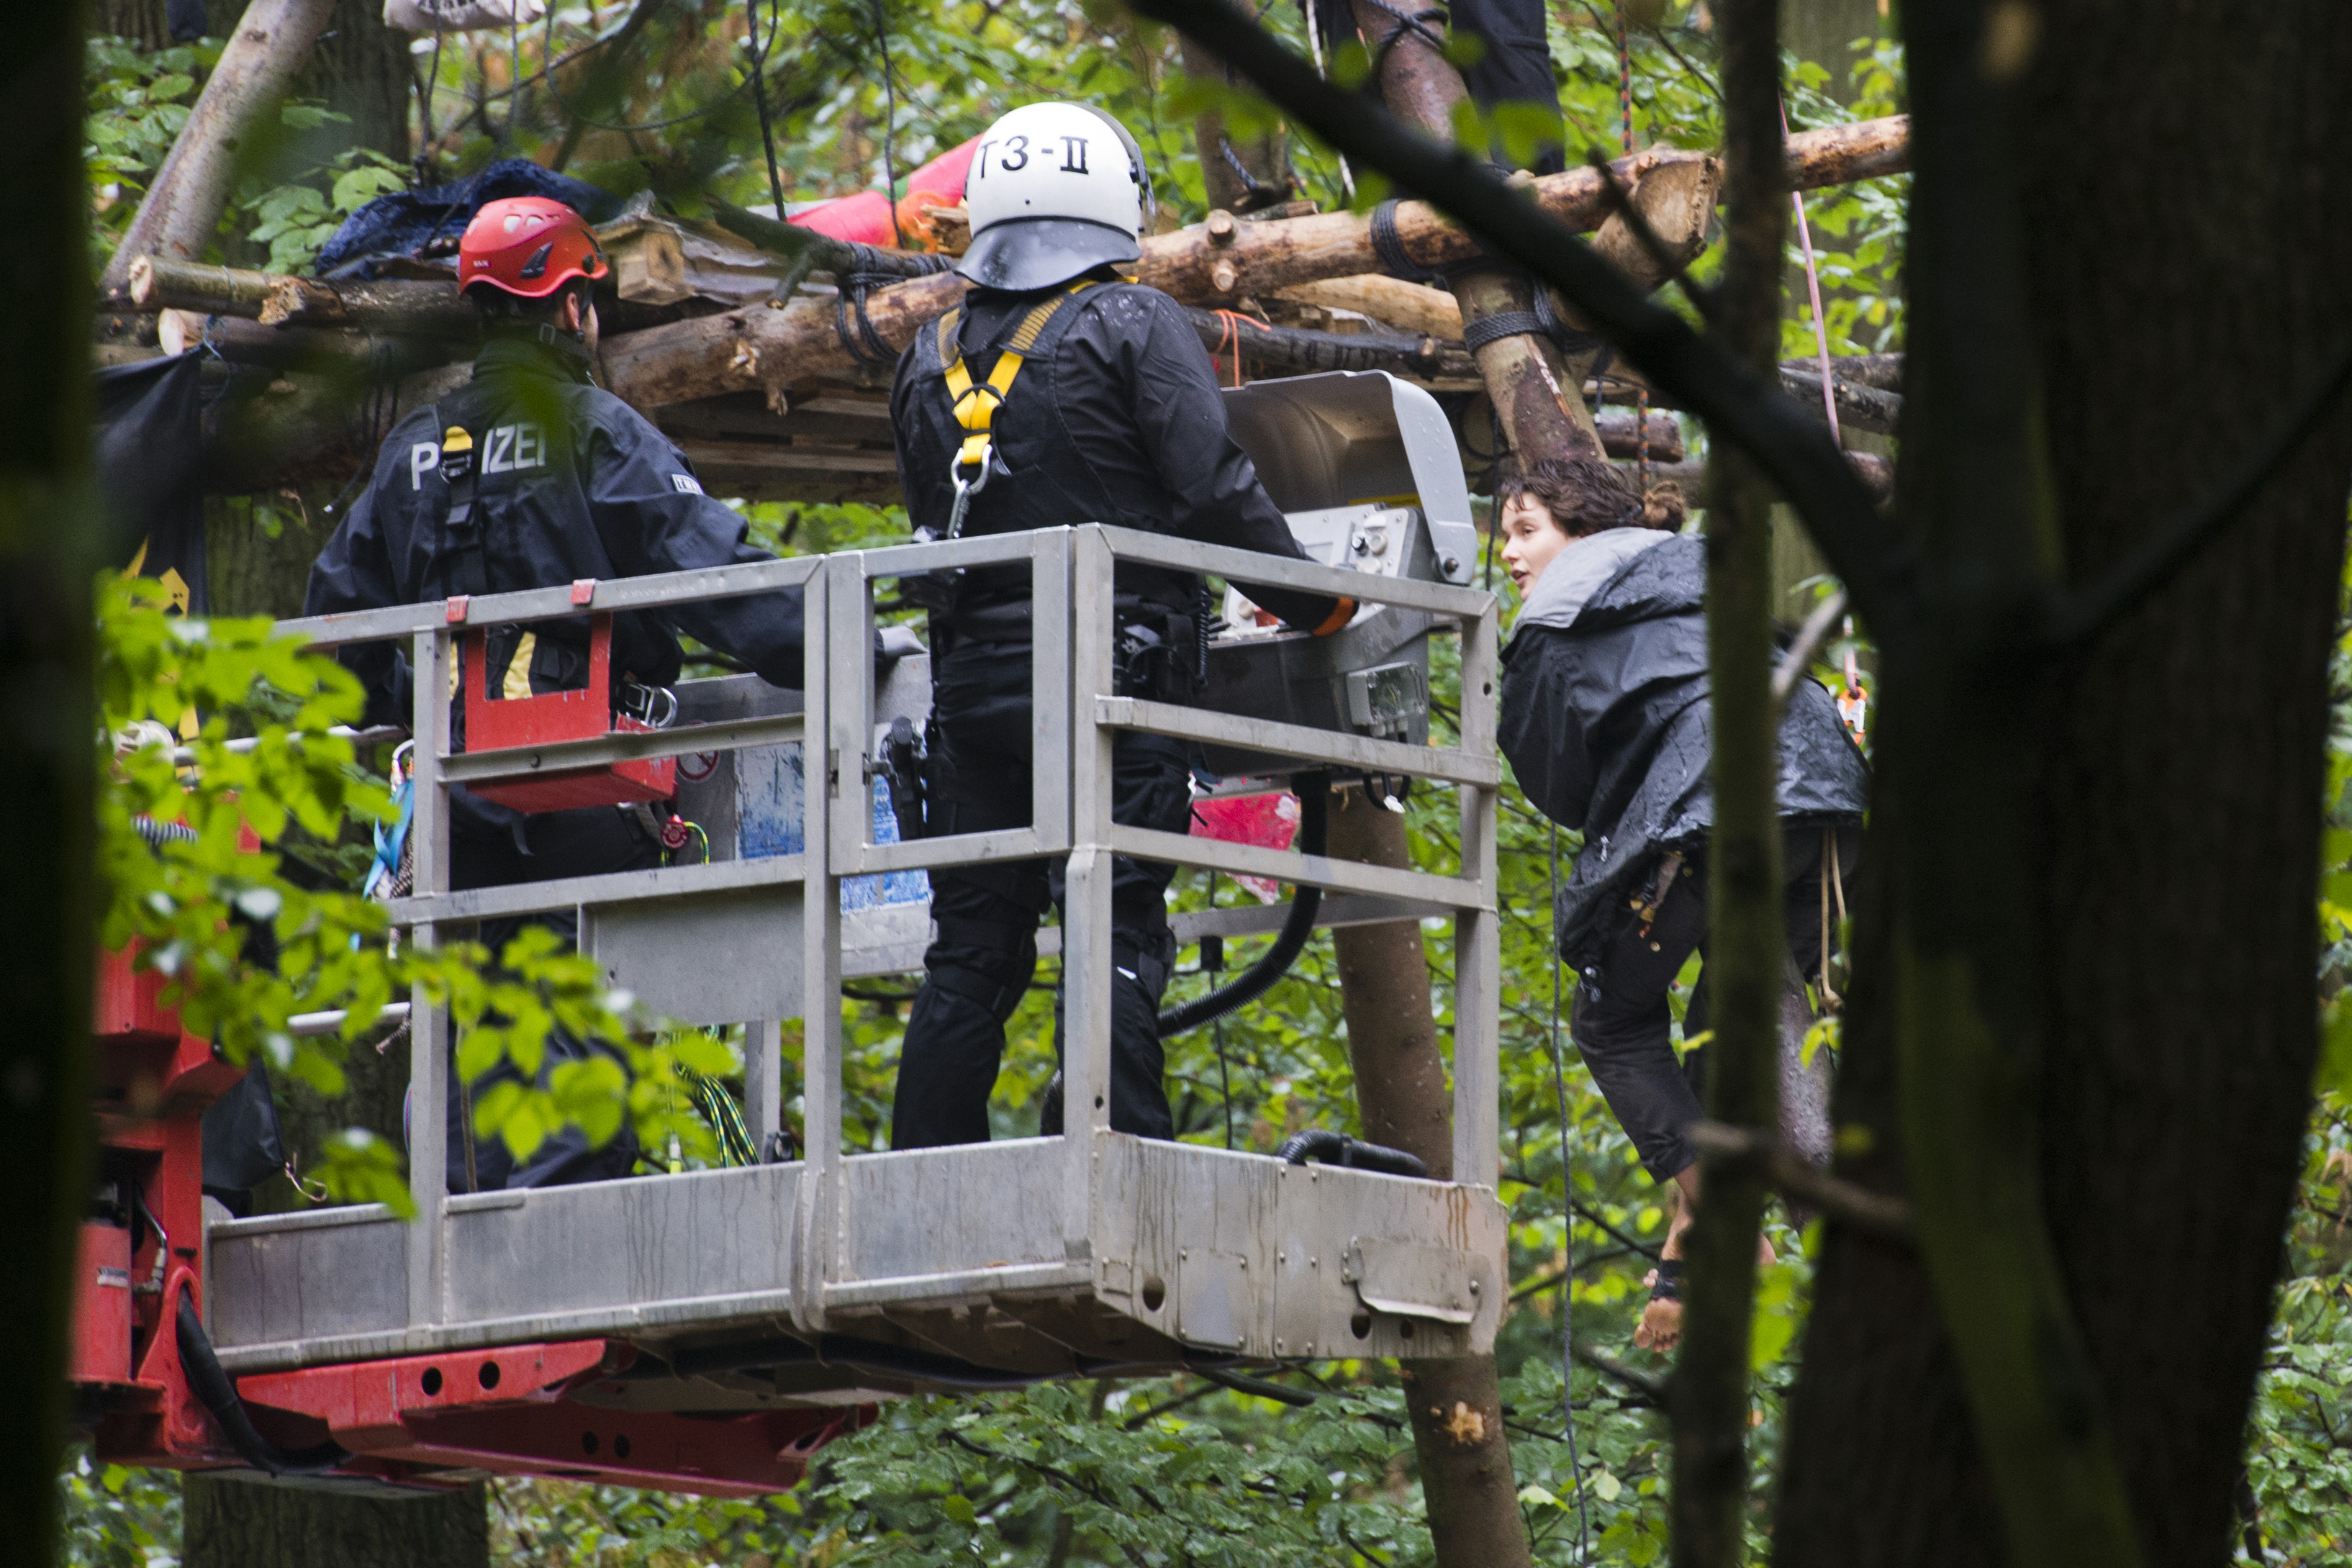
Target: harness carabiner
<point>965,490</point>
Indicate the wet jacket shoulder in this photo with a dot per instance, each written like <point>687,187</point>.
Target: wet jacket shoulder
<point>1114,418</point>
<point>1607,726</point>
<point>573,483</point>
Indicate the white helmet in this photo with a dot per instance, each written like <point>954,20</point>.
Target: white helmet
<point>1055,190</point>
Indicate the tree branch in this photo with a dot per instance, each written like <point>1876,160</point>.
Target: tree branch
<point>1739,407</point>
<point>1809,637</point>
<point>1747,944</point>
<point>1591,1217</point>
<point>1609,1366</point>
<point>1875,1213</point>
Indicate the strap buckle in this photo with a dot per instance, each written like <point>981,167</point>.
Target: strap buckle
<point>656,707</point>
<point>965,490</point>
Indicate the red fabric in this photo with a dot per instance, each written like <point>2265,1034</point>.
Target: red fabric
<point>1269,821</point>
<point>864,218</point>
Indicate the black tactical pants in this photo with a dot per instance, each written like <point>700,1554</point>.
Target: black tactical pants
<point>978,780</point>
<point>484,853</point>
<point>1623,1024</point>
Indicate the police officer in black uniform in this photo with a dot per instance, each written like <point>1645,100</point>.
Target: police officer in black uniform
<point>532,477</point>
<point>1109,413</point>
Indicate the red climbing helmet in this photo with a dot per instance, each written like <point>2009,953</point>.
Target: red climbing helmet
<point>528,245</point>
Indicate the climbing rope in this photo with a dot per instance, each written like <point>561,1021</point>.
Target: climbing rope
<point>1813,288</point>
<point>760,92</point>
<point>1568,1241</point>
<point>889,128</point>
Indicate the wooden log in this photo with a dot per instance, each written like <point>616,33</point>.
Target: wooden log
<point>162,283</point>
<point>1620,434</point>
<point>762,348</point>
<point>359,358</point>
<point>1859,406</point>
<point>393,305</point>
<point>182,205</point>
<point>1883,371</point>
<point>399,306</point>
<point>1868,387</point>
<point>1414,306</point>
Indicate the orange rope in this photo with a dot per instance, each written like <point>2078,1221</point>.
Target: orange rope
<point>1232,335</point>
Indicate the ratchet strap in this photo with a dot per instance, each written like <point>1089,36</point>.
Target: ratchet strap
<point>976,406</point>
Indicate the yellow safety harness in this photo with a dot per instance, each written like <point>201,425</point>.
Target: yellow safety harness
<point>976,405</point>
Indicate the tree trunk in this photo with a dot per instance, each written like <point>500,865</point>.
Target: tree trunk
<point>1747,950</point>
<point>2174,784</point>
<point>183,205</point>
<point>1403,1102</point>
<point>1535,391</point>
<point>239,1519</point>
<point>357,66</point>
<point>47,889</point>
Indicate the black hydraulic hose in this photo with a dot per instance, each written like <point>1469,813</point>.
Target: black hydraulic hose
<point>1314,791</point>
<point>1339,1149</point>
<point>212,1385</point>
<point>891,1361</point>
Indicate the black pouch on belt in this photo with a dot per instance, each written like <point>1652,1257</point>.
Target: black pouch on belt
<point>902,769</point>
<point>1157,657</point>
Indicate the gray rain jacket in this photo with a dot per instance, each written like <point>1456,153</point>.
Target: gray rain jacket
<point>1606,722</point>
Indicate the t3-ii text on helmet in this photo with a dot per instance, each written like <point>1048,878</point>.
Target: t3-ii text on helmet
<point>1055,190</point>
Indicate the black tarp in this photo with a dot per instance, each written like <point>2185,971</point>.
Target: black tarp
<point>244,1145</point>
<point>151,471</point>
<point>411,224</point>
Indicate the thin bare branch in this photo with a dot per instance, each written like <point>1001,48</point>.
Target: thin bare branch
<point>1865,1210</point>
<point>1809,637</point>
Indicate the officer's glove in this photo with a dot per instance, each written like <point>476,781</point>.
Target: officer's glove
<point>892,644</point>
<point>803,251</point>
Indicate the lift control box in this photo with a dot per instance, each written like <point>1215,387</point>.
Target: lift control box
<point>1365,471</point>
<point>501,723</point>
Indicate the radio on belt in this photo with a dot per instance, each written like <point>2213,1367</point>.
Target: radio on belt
<point>1365,471</point>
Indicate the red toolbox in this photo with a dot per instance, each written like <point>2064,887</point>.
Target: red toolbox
<point>517,724</point>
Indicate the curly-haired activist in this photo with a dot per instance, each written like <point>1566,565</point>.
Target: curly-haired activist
<point>1605,717</point>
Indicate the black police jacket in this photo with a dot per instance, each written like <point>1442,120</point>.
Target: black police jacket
<point>1607,726</point>
<point>1114,418</point>
<point>573,483</point>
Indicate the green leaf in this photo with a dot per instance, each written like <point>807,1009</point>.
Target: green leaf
<point>360,1167</point>
<point>706,1053</point>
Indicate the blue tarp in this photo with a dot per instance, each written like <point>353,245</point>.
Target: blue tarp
<point>406,222</point>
